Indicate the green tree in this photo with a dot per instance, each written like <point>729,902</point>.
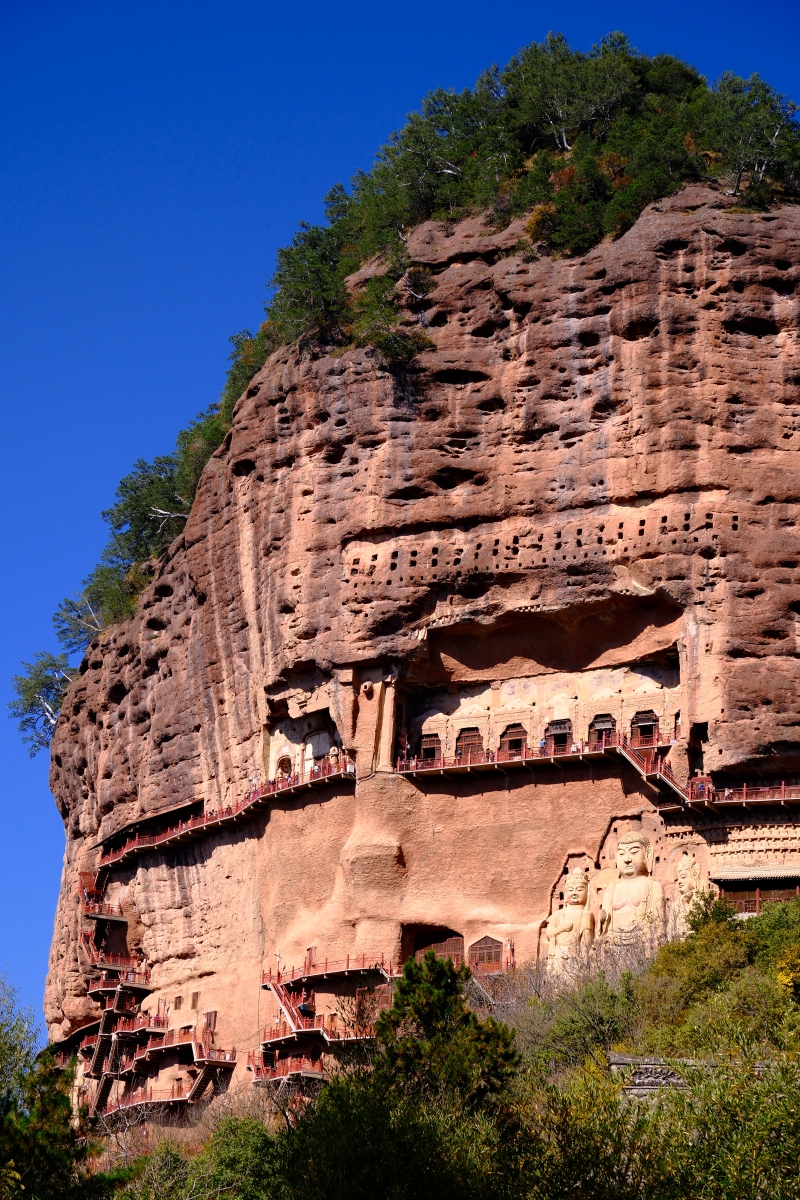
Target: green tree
<point>44,1155</point>
<point>754,126</point>
<point>430,1040</point>
<point>18,1036</point>
<point>39,692</point>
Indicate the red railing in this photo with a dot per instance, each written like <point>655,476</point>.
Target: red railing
<point>351,962</point>
<point>99,958</point>
<point>291,1002</point>
<point>646,764</point>
<point>546,749</point>
<point>281,1029</point>
<point>123,979</point>
<point>139,1022</point>
<point>214,1054</point>
<point>221,815</point>
<point>98,908</point>
<point>704,790</point>
<point>147,1095</point>
<point>126,1004</point>
<point>285,1066</point>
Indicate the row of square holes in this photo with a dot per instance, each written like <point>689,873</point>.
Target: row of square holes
<point>515,543</point>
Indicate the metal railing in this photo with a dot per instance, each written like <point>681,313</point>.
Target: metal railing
<point>333,966</point>
<point>147,1095</point>
<point>294,1065</point>
<point>212,1054</point>
<point>647,763</point>
<point>776,793</point>
<point>546,749</point>
<point>222,815</point>
<point>100,958</point>
<point>125,978</point>
<point>98,908</point>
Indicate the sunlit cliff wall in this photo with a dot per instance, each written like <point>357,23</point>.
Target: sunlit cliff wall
<point>582,499</point>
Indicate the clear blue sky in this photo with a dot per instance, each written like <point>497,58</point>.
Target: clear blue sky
<point>154,156</point>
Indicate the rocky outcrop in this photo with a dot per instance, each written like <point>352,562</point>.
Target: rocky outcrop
<point>582,499</point>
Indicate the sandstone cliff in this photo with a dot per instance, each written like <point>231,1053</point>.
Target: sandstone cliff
<point>583,499</point>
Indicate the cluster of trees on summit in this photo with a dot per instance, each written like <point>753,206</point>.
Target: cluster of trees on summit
<point>579,142</point>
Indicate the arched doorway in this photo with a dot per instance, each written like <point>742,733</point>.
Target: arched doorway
<point>601,726</point>
<point>469,742</point>
<point>429,747</point>
<point>514,742</point>
<point>644,728</point>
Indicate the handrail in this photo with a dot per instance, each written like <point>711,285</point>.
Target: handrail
<point>286,1066</point>
<point>220,815</point>
<point>130,978</point>
<point>354,962</point>
<point>99,958</point>
<point>545,750</point>
<point>147,1096</point>
<point>213,1054</point>
<point>98,908</point>
<point>631,747</point>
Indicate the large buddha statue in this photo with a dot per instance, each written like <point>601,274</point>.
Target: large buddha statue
<point>633,904</point>
<point>570,930</point>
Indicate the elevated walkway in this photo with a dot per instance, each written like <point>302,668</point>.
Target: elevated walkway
<point>108,961</point>
<point>146,1097</point>
<point>97,910</point>
<point>359,966</point>
<point>646,755</point>
<point>299,1067</point>
<point>207,1062</point>
<point>260,797</point>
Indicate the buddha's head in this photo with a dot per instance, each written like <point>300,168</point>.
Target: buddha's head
<point>576,888</point>
<point>686,878</point>
<point>634,855</point>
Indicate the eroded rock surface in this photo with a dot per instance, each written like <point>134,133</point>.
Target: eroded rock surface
<point>583,500</point>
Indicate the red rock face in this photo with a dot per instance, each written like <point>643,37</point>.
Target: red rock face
<point>587,489</point>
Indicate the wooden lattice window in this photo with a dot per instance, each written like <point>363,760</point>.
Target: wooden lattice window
<point>429,746</point>
<point>514,740</point>
<point>644,726</point>
<point>559,733</point>
<point>486,954</point>
<point>452,947</point>
<point>601,724</point>
<point>469,741</point>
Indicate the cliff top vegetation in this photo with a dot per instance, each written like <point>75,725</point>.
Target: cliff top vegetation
<point>579,143</point>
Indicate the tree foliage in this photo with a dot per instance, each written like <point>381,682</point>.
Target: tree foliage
<point>39,692</point>
<point>587,138</point>
<point>44,1153</point>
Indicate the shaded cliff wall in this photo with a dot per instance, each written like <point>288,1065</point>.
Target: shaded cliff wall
<point>593,466</point>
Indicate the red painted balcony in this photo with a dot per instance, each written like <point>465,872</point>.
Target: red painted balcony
<point>285,1067</point>
<point>148,1095</point>
<point>349,965</point>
